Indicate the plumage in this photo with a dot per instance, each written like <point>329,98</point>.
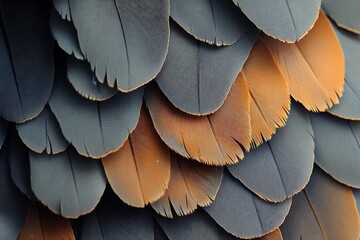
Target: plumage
<point>126,41</point>
<point>224,130</point>
<point>26,60</point>
<point>85,83</point>
<point>18,156</point>
<point>269,93</point>
<point>13,204</point>
<point>73,117</point>
<point>244,215</point>
<point>139,172</point>
<point>285,162</point>
<point>192,184</point>
<point>112,219</point>
<point>65,34</point>
<point>43,133</point>
<point>326,209</point>
<point>337,147</point>
<point>344,13</point>
<point>110,121</point>
<point>202,73</point>
<point>63,8</point>
<point>67,183</point>
<point>349,103</point>
<point>313,67</point>
<point>297,17</point>
<point>42,224</point>
<point>214,22</point>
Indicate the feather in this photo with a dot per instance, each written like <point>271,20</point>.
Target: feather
<point>337,147</point>
<point>26,60</point>
<point>356,193</point>
<point>191,185</point>
<point>344,13</point>
<point>63,8</point>
<point>285,162</point>
<point>110,121</point>
<point>243,214</point>
<point>325,210</point>
<point>126,41</point>
<point>43,133</point>
<point>12,202</point>
<point>67,183</point>
<point>225,131</point>
<point>3,131</point>
<point>65,34</point>
<point>202,73</point>
<point>41,224</point>
<point>286,20</point>
<point>18,157</point>
<point>313,67</point>
<point>269,94</point>
<point>115,220</point>
<point>195,226</point>
<point>348,107</point>
<point>139,172</point>
<point>216,22</point>
<point>85,83</point>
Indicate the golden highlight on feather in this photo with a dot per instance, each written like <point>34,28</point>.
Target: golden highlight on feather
<point>215,139</point>
<point>313,67</point>
<point>192,184</point>
<point>139,172</point>
<point>270,97</point>
<point>41,224</point>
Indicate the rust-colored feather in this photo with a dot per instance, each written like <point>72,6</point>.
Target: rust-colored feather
<point>313,67</point>
<point>192,184</point>
<point>216,139</point>
<point>139,172</point>
<point>270,97</point>
<point>41,224</point>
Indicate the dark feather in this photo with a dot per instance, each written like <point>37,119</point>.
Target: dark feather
<point>26,60</point>
<point>67,183</point>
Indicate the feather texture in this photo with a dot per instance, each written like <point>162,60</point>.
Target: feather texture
<point>3,131</point>
<point>26,61</point>
<point>202,73</point>
<point>191,185</point>
<point>65,34</point>
<point>110,121</point>
<point>269,93</point>
<point>43,133</point>
<point>297,17</point>
<point>12,202</point>
<point>41,224</point>
<point>216,22</point>
<point>350,101</point>
<point>244,215</point>
<point>326,209</point>
<point>285,162</point>
<point>85,83</point>
<point>313,67</point>
<point>126,41</point>
<point>337,147</point>
<point>344,13</point>
<point>224,130</point>
<point>67,183</point>
<point>139,172</point>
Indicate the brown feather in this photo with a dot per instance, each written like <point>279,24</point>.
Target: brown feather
<point>139,172</point>
<point>313,67</point>
<point>274,235</point>
<point>42,224</point>
<point>192,184</point>
<point>216,139</point>
<point>270,97</point>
